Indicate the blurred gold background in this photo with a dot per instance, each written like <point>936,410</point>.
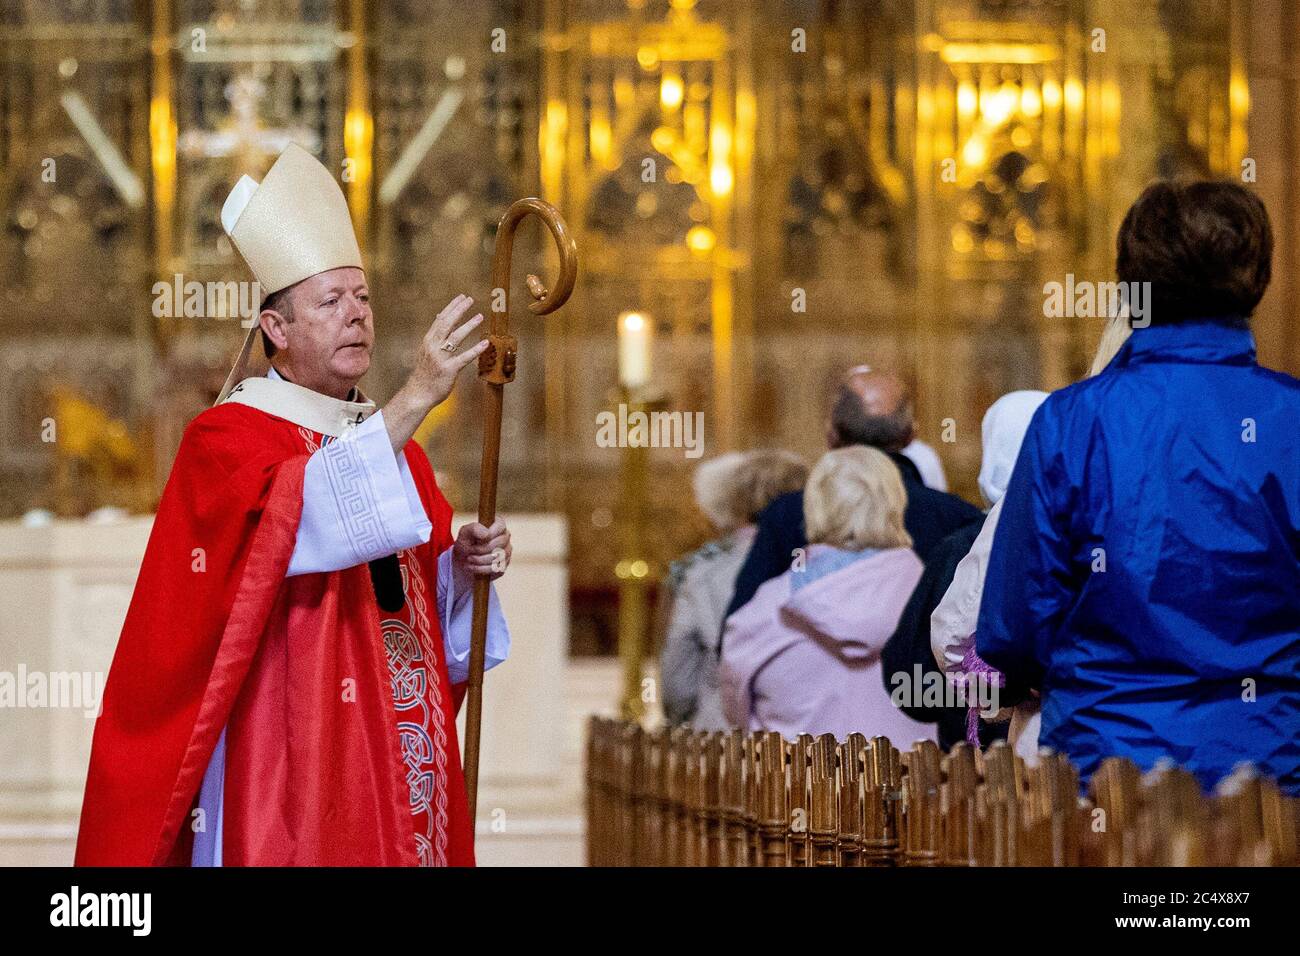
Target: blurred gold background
<point>784,188</point>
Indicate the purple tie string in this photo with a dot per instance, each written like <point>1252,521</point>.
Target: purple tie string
<point>974,668</point>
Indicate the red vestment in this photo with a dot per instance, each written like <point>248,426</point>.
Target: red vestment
<point>321,764</point>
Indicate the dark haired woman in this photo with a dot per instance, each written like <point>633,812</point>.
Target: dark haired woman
<point>1145,573</point>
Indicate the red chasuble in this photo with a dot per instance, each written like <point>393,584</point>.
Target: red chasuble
<point>341,744</point>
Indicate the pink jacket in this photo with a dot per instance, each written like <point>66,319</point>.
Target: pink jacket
<point>807,659</point>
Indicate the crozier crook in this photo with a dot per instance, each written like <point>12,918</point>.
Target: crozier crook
<point>496,367</point>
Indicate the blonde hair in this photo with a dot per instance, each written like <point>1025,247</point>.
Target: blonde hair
<point>1113,336</point>
<point>855,500</point>
<point>733,488</point>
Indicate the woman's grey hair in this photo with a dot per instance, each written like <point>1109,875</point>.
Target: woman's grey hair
<point>733,488</point>
<point>855,500</point>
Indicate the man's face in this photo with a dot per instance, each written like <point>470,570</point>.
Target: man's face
<point>327,345</point>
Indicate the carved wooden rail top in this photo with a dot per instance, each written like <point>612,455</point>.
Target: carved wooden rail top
<point>678,797</point>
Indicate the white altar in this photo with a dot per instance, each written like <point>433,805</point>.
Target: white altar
<point>64,591</point>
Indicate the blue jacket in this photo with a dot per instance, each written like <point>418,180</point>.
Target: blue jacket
<point>1145,573</point>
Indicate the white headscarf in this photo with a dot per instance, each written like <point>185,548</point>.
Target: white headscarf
<point>1005,424</point>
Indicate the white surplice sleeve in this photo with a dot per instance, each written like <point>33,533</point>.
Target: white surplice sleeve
<point>952,624</point>
<point>456,611</point>
<point>359,502</point>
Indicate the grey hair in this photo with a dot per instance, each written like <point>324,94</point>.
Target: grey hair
<point>855,500</point>
<point>732,489</point>
<point>282,302</point>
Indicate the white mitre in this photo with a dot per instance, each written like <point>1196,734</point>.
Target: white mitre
<point>291,226</point>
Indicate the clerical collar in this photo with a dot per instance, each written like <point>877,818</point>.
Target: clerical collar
<point>279,397</point>
<point>274,375</point>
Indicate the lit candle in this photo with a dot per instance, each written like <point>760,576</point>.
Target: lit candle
<point>635,335</point>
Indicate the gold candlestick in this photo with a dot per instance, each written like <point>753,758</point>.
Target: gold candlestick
<point>633,567</point>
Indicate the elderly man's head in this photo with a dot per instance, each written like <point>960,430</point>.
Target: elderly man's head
<point>873,409</point>
<point>320,331</point>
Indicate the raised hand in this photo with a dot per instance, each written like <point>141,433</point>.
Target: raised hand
<point>438,362</point>
<point>439,359</point>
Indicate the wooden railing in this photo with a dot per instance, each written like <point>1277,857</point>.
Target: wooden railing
<point>684,798</point>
